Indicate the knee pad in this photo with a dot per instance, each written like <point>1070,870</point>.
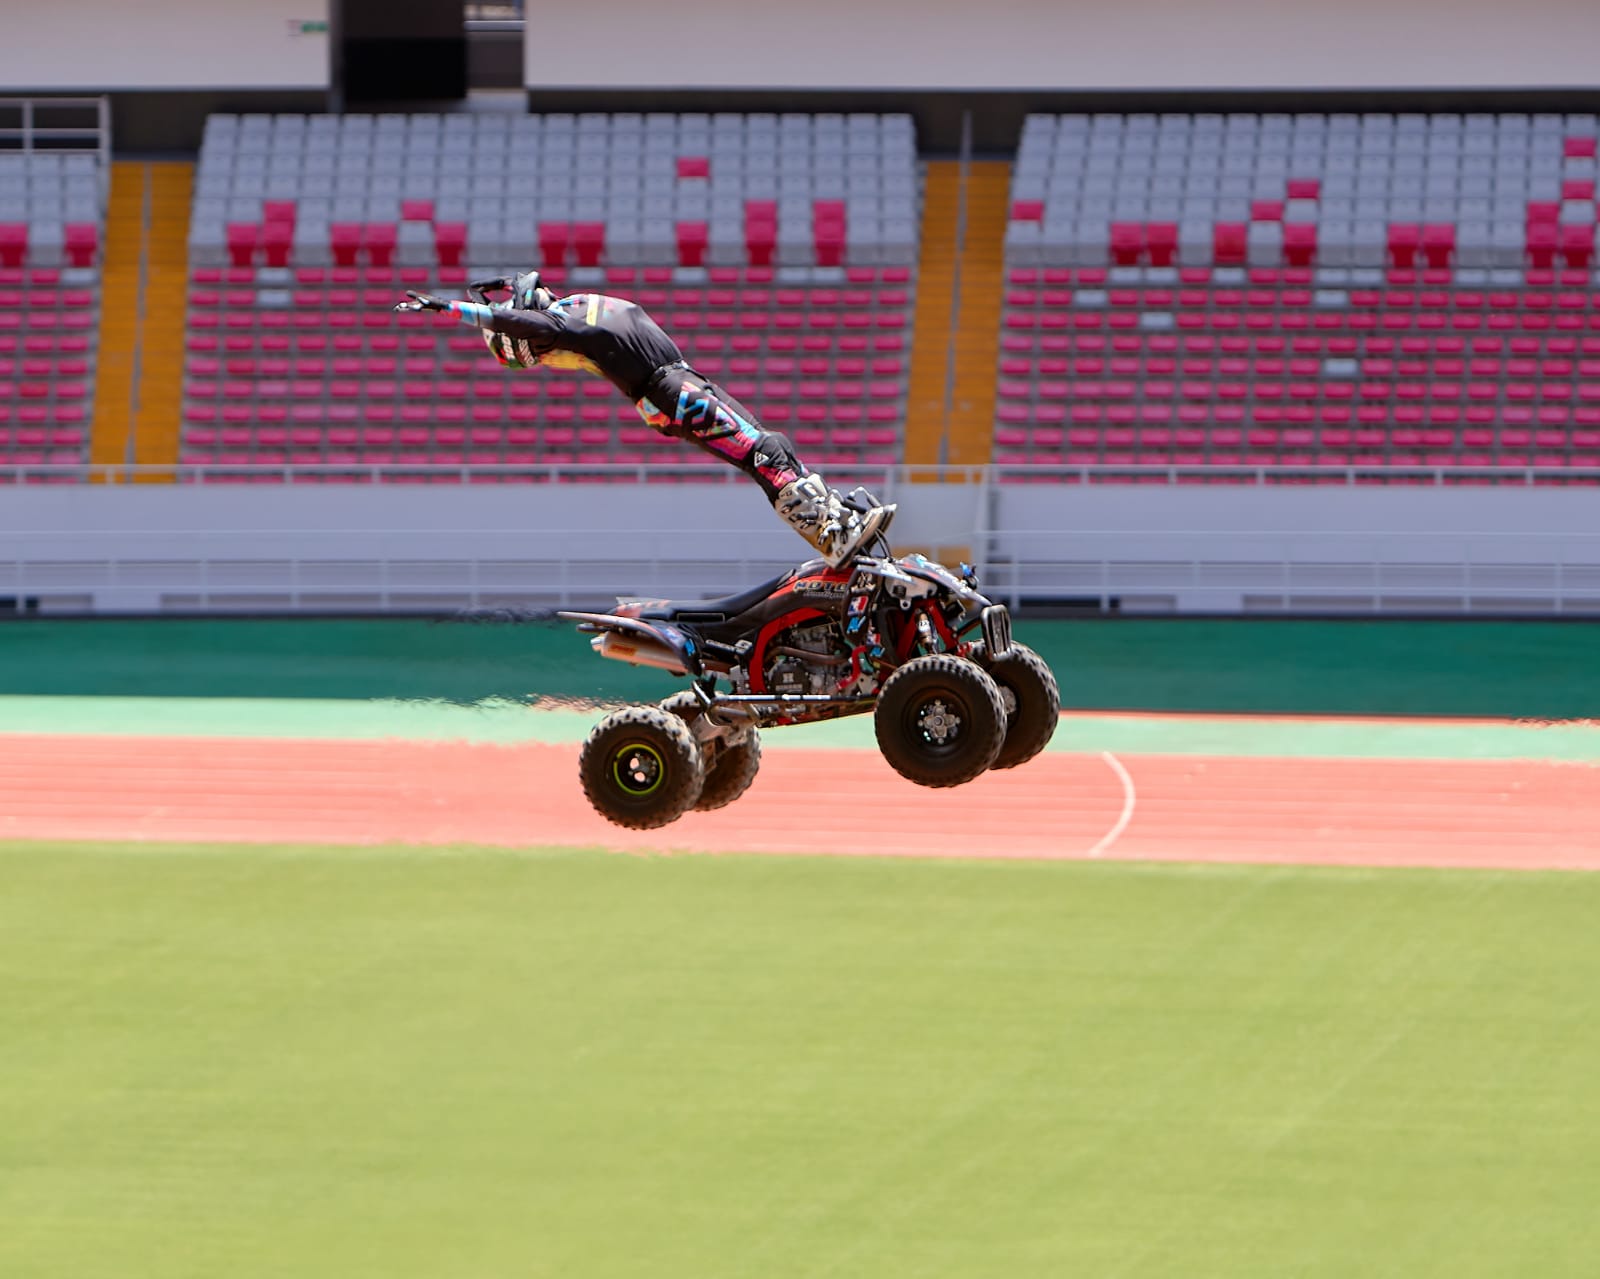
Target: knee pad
<point>780,449</point>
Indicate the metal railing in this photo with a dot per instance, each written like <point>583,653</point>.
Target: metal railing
<point>1281,570</point>
<point>886,476</point>
<point>374,569</point>
<point>38,126</point>
<point>882,478</point>
<point>384,569</point>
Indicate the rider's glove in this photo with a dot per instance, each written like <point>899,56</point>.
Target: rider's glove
<point>490,286</point>
<point>422,302</point>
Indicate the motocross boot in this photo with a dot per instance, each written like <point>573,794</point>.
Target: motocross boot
<point>819,515</point>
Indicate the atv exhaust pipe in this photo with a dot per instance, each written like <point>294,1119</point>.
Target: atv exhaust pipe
<point>637,651</point>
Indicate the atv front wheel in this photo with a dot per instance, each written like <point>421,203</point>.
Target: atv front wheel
<point>940,720</point>
<point>1032,700</point>
<point>729,768</point>
<point>641,767</point>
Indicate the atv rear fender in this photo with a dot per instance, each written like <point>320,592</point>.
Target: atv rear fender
<point>627,639</point>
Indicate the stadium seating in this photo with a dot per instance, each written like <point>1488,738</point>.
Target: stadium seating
<point>1302,291</point>
<point>778,250</point>
<point>52,214</point>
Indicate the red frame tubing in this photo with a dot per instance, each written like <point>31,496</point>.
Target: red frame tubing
<point>908,637</point>
<point>758,654</point>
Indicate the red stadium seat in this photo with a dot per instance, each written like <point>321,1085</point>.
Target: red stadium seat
<point>82,241</point>
<point>692,240</point>
<point>378,239</point>
<point>344,240</point>
<point>243,238</point>
<point>589,242</point>
<point>450,242</point>
<point>554,238</point>
<point>13,243</point>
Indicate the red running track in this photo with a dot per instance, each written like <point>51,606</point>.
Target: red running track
<point>1510,814</point>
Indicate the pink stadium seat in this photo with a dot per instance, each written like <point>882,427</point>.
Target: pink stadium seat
<point>554,238</point>
<point>589,241</point>
<point>1544,238</point>
<point>1229,243</point>
<point>1299,243</point>
<point>277,241</point>
<point>378,239</point>
<point>1577,245</point>
<point>344,240</point>
<point>1161,239</point>
<point>828,231</point>
<point>13,243</point>
<point>692,240</point>
<point>1127,243</point>
<point>82,242</point>
<point>450,242</point>
<point>243,238</point>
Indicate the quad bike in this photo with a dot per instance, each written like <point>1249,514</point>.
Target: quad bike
<point>951,693</point>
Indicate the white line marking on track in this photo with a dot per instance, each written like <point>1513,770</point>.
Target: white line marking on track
<point>1130,799</point>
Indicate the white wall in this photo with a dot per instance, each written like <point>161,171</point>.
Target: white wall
<point>1186,548</point>
<point>101,45</point>
<point>1066,44</point>
<point>1298,549</point>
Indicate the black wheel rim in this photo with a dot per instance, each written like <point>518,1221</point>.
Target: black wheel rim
<point>938,722</point>
<point>637,769</point>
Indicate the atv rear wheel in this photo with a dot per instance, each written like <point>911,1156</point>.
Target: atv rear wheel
<point>1032,700</point>
<point>641,767</point>
<point>940,720</point>
<point>729,768</point>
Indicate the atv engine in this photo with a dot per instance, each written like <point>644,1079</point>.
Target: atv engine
<point>807,659</point>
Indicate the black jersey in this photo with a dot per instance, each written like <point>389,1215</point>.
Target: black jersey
<point>608,336</point>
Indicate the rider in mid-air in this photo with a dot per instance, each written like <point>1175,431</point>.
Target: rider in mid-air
<point>617,340</point>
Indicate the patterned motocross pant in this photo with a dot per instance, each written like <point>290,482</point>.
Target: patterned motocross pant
<point>703,413</point>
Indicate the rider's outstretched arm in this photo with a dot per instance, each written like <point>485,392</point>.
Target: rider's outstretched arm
<point>530,326</point>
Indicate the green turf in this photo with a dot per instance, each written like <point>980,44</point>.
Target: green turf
<point>279,1062</point>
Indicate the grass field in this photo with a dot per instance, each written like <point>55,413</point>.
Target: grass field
<point>278,1061</point>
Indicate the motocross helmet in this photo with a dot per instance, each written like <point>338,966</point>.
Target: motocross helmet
<point>527,294</point>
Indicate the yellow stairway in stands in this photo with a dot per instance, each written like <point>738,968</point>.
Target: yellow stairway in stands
<point>139,383</point>
<point>930,335</point>
<point>958,369</point>
<point>977,340</point>
<point>158,423</point>
<point>119,316</point>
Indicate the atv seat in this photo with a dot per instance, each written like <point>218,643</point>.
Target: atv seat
<point>710,612</point>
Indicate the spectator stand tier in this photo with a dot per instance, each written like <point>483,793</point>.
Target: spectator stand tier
<point>52,218</point>
<point>778,250</point>
<point>1303,291</point>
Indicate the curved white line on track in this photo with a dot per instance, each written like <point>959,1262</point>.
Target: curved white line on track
<point>1130,799</point>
